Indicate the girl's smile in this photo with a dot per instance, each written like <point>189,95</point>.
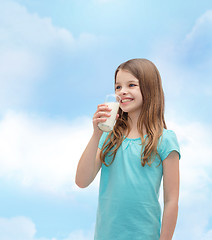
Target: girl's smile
<point>125,101</point>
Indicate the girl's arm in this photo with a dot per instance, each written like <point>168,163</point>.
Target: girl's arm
<point>89,163</point>
<point>171,195</point>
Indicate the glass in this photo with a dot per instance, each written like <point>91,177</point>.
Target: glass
<point>113,102</point>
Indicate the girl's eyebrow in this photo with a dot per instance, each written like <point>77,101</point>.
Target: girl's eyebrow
<point>129,81</point>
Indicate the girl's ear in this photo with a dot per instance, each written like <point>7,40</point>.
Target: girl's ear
<point>117,116</point>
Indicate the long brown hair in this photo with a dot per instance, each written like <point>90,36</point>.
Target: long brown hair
<point>151,115</point>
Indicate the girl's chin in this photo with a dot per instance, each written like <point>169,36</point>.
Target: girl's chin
<point>125,110</point>
<point>129,110</point>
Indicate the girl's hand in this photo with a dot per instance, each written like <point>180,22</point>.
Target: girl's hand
<point>99,116</point>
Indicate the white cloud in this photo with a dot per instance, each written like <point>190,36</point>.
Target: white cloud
<point>25,30</point>
<point>18,228</point>
<point>207,236</point>
<point>81,235</point>
<point>22,228</point>
<point>197,47</point>
<point>203,26</point>
<point>26,40</point>
<point>18,70</point>
<point>185,65</point>
<point>43,154</point>
<point>29,46</point>
<point>195,210</point>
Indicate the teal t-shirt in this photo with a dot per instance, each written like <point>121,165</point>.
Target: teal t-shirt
<point>128,206</point>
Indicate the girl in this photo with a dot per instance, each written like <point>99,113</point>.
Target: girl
<point>133,157</point>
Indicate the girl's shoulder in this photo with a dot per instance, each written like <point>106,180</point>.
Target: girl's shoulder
<point>168,142</point>
<point>165,130</point>
<point>168,131</point>
<point>167,135</point>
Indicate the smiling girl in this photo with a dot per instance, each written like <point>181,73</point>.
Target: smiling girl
<point>133,158</point>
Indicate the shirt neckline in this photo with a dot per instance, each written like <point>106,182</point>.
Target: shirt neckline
<point>133,139</point>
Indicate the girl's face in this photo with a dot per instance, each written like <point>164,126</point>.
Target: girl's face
<point>127,87</point>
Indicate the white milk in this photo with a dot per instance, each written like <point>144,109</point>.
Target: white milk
<point>107,126</point>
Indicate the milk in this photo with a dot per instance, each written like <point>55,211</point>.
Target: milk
<point>107,126</point>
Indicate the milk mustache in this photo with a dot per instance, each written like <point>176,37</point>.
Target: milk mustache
<point>108,125</point>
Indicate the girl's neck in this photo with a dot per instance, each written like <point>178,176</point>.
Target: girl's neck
<point>133,124</point>
<point>134,133</point>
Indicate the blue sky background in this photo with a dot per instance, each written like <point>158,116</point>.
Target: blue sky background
<point>56,54</point>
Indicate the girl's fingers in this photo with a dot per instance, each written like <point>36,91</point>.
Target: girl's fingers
<point>103,107</point>
<point>97,120</point>
<point>100,106</point>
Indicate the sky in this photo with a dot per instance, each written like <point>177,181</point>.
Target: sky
<point>57,63</point>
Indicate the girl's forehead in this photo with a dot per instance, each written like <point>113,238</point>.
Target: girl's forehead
<point>125,76</point>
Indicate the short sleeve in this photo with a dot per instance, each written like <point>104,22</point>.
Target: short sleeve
<point>168,143</point>
<point>102,139</point>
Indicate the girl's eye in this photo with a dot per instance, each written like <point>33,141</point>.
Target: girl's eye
<point>129,85</point>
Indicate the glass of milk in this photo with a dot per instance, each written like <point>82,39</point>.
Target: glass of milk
<point>112,100</point>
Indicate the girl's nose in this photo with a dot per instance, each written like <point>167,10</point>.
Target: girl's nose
<point>123,91</point>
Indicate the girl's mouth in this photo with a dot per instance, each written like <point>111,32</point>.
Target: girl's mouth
<point>126,101</point>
